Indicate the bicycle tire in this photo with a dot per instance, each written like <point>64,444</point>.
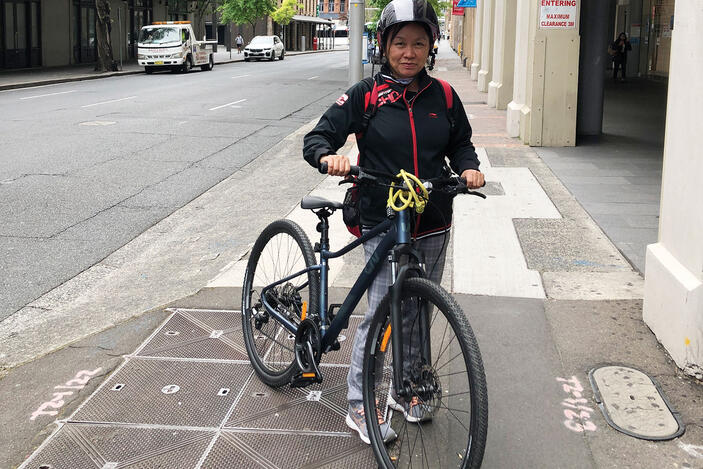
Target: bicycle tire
<point>270,345</point>
<point>458,439</point>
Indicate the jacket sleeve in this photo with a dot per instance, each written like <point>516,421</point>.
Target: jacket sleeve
<point>341,119</point>
<point>460,150</point>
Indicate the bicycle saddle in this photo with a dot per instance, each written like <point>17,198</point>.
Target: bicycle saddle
<point>313,202</point>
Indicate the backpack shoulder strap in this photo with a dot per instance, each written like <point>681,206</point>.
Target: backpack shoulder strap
<point>448,100</point>
<point>370,103</point>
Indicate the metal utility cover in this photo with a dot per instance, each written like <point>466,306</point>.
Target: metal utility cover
<point>262,407</point>
<point>148,396</point>
<point>215,335</point>
<point>104,446</point>
<point>633,403</point>
<point>289,450</point>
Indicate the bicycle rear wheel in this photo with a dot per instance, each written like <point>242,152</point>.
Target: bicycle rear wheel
<point>281,250</point>
<point>447,425</point>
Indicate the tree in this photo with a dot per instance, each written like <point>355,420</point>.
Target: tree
<point>285,12</point>
<point>245,11</point>
<point>103,26</point>
<point>200,8</point>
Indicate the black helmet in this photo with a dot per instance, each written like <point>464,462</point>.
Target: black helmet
<point>406,11</point>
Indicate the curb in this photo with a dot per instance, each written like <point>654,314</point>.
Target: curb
<point>125,72</point>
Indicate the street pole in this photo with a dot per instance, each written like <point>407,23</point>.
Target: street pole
<point>356,31</point>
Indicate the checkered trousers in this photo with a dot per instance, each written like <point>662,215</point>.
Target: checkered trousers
<point>434,250</point>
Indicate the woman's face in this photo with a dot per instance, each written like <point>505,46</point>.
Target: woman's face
<point>408,51</point>
<point>622,37</point>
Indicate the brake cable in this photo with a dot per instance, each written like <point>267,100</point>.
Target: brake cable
<point>408,196</point>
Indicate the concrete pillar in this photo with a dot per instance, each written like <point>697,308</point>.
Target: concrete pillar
<point>500,89</point>
<point>478,27</point>
<point>484,75</point>
<point>548,117</point>
<point>517,107</point>
<point>673,302</point>
<point>592,68</point>
<point>468,37</point>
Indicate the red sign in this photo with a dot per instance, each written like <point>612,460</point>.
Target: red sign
<point>457,11</point>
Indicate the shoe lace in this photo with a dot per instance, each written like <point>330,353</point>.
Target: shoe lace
<point>379,414</point>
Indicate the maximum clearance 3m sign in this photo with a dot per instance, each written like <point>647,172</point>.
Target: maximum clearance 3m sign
<point>557,14</point>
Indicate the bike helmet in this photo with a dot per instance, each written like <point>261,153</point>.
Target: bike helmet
<point>407,11</point>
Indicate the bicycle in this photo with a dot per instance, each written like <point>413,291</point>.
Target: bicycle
<point>288,326</point>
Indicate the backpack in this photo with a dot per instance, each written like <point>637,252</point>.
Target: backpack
<point>350,205</point>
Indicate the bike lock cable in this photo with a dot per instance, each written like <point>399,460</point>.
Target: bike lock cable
<point>408,196</point>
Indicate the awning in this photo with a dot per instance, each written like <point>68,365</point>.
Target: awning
<point>311,19</point>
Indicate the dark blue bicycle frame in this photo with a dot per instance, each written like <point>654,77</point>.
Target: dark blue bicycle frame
<point>398,234</point>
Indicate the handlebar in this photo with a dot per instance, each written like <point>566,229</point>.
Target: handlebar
<point>450,185</point>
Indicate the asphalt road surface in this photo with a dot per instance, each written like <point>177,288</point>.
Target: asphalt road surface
<point>87,166</point>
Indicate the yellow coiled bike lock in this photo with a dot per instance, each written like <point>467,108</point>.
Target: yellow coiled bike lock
<point>408,194</point>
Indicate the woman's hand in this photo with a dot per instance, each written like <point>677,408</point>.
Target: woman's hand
<point>337,165</point>
<point>474,178</point>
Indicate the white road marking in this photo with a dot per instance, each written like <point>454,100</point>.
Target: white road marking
<point>488,257</point>
<point>228,104</point>
<point>312,78</point>
<point>241,76</point>
<point>31,87</point>
<point>50,94</point>
<point>108,102</point>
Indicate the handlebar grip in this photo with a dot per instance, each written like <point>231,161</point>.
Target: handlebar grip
<point>353,170</point>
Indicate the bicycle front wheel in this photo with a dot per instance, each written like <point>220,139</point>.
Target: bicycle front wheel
<point>442,420</point>
<point>281,250</point>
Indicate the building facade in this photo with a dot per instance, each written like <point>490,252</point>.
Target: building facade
<point>546,62</point>
<point>49,33</point>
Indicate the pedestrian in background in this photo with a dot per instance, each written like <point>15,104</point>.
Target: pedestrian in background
<point>239,41</point>
<point>620,47</point>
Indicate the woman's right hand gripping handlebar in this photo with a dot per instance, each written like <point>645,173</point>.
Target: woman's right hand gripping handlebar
<point>337,165</point>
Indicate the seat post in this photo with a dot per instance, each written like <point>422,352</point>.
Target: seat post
<point>323,227</point>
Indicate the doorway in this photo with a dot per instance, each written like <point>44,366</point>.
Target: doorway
<point>21,37</point>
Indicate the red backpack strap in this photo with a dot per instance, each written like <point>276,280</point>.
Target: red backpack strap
<point>448,95</point>
<point>448,100</point>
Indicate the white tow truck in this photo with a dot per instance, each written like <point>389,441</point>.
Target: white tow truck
<point>172,45</point>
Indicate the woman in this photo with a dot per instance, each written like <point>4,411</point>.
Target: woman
<point>621,45</point>
<point>413,128</point>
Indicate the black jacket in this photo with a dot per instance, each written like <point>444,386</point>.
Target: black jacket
<point>414,136</point>
<point>620,50</point>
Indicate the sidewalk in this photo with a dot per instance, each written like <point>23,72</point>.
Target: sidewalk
<point>548,296</point>
<point>10,79</point>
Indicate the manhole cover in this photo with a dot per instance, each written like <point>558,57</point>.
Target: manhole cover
<point>633,403</point>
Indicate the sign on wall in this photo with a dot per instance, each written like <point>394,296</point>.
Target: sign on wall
<point>557,14</point>
<point>467,3</point>
<point>457,10</point>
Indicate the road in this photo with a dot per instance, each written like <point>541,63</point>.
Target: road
<point>88,166</point>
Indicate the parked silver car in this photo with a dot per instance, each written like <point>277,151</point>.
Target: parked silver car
<point>264,47</point>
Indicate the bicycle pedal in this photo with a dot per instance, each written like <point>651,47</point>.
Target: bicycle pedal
<point>300,380</point>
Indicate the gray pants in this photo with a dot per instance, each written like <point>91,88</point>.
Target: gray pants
<point>434,256</point>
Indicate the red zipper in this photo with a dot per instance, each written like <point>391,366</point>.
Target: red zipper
<point>412,129</point>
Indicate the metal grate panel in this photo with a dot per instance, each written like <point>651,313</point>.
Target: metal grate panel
<point>167,392</point>
<point>288,450</point>
<point>343,355</point>
<point>320,407</point>
<point>199,334</point>
<point>103,446</point>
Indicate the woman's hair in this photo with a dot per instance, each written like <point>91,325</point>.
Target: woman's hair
<point>622,34</point>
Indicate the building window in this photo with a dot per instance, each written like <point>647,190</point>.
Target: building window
<point>330,6</point>
<point>341,6</point>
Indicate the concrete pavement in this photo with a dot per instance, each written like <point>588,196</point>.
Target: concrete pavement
<point>548,295</point>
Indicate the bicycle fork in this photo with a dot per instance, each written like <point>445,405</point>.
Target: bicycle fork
<point>399,275</point>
